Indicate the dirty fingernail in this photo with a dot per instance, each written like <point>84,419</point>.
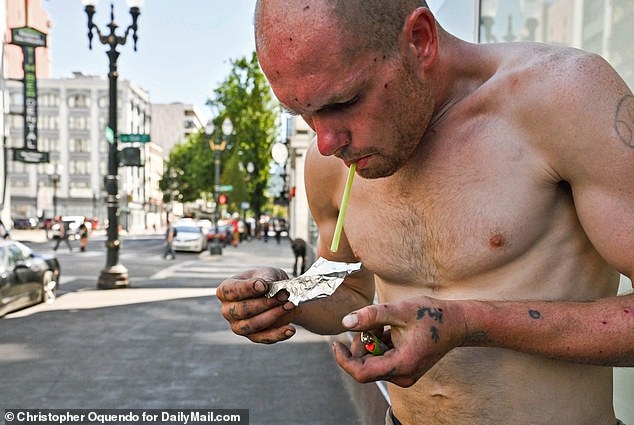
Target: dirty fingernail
<point>289,333</point>
<point>350,321</point>
<point>259,286</point>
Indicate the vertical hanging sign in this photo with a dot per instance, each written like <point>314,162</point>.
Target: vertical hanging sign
<point>29,38</point>
<point>30,99</point>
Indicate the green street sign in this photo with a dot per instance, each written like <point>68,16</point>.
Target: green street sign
<point>28,37</point>
<point>134,138</point>
<point>224,188</point>
<point>30,156</point>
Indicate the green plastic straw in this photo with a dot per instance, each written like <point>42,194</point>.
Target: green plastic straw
<point>344,206</point>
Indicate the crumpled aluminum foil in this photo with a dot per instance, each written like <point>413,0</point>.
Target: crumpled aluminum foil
<point>320,280</point>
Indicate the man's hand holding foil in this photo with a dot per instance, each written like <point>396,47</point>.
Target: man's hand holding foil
<point>250,313</point>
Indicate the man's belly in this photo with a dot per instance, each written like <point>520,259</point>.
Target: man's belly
<point>474,386</point>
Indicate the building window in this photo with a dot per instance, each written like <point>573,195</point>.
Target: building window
<point>49,100</point>
<point>79,167</point>
<point>78,101</point>
<point>48,122</point>
<point>17,121</point>
<point>16,100</point>
<point>103,102</point>
<point>15,142</point>
<point>79,145</point>
<point>78,122</point>
<point>48,144</point>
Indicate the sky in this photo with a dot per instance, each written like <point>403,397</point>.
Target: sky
<point>183,52</point>
<point>184,48</point>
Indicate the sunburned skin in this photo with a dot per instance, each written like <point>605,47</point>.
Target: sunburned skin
<point>492,215</point>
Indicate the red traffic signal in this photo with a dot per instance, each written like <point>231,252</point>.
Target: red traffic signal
<point>222,199</point>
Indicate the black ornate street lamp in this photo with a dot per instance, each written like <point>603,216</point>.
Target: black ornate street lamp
<point>114,275</point>
<point>54,176</point>
<point>217,145</point>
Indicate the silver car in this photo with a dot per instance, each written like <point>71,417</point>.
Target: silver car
<point>189,237</point>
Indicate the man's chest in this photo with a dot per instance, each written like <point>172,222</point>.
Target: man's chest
<point>461,213</point>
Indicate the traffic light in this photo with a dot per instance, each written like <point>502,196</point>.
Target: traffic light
<point>223,199</point>
<point>130,157</point>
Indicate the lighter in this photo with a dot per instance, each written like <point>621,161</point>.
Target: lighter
<point>373,344</point>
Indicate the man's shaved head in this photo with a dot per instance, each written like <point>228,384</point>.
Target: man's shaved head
<point>369,24</point>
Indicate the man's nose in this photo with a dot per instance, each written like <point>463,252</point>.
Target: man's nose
<point>330,140</point>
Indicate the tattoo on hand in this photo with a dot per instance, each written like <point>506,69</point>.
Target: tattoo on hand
<point>624,123</point>
<point>433,313</point>
<point>534,314</point>
<point>434,334</point>
<point>233,313</point>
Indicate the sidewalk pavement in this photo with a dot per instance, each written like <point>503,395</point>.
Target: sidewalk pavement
<point>169,348</point>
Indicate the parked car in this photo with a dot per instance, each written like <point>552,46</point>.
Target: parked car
<point>224,233</point>
<point>26,278</point>
<point>24,223</point>
<point>189,237</point>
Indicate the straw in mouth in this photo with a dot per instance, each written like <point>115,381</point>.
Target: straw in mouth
<point>344,206</point>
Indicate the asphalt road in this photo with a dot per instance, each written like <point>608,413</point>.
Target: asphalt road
<point>162,344</point>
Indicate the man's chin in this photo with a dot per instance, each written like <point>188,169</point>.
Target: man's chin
<point>375,173</point>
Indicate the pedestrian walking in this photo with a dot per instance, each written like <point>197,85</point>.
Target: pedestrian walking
<point>83,237</point>
<point>235,229</point>
<point>170,234</point>
<point>4,232</point>
<point>61,233</point>
<point>278,227</point>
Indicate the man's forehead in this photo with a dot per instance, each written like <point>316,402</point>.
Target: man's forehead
<point>312,93</point>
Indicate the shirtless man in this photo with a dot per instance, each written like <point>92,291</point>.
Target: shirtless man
<point>504,173</point>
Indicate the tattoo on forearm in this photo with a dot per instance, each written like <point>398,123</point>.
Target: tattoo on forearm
<point>433,313</point>
<point>624,123</point>
<point>435,336</point>
<point>534,314</point>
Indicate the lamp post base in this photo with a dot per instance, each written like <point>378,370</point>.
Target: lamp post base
<point>115,277</point>
<point>215,248</point>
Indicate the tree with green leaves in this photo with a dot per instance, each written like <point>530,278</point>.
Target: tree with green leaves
<point>246,99</point>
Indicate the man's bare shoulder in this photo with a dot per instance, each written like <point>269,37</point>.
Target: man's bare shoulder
<point>548,73</point>
<point>324,179</point>
<point>544,87</point>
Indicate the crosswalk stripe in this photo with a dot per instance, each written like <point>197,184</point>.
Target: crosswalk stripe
<point>201,270</point>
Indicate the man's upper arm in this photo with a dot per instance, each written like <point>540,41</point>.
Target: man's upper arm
<point>595,155</point>
<point>325,179</point>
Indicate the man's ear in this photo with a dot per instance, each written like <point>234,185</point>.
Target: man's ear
<point>420,35</point>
